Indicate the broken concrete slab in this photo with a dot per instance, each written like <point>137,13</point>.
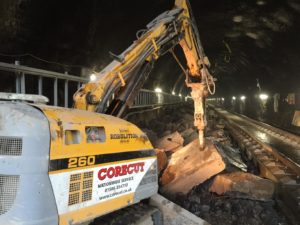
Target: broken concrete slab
<point>162,160</point>
<point>253,187</point>
<point>171,142</point>
<point>277,170</point>
<point>190,166</point>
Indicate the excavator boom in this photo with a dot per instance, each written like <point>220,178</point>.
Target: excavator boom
<point>119,82</point>
<point>62,166</point>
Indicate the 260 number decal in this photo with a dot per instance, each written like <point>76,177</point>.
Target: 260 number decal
<point>81,161</point>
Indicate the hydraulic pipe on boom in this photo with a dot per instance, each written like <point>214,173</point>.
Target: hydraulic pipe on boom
<point>86,165</point>
<point>120,81</point>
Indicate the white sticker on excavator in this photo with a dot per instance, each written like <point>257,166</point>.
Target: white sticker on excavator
<point>109,181</point>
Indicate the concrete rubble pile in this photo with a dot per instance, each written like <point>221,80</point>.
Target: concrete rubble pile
<point>245,185</point>
<point>229,209</point>
<point>171,142</point>
<point>216,183</point>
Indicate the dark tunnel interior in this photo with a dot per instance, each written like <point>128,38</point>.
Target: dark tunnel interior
<point>252,45</point>
<point>110,117</point>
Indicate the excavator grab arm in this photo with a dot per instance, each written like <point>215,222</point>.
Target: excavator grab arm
<point>119,82</point>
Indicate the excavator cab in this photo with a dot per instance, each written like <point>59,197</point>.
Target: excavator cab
<point>64,166</point>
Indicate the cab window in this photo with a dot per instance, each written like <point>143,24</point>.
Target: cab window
<point>95,134</point>
<point>72,137</point>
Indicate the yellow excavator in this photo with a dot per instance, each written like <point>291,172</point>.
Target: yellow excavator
<point>63,166</point>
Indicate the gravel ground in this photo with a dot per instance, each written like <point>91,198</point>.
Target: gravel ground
<point>218,210</point>
<point>221,210</point>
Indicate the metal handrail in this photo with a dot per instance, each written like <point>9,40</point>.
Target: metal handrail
<point>21,71</point>
<point>40,72</point>
<point>145,98</point>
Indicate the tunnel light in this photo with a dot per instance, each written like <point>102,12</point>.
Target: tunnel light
<point>158,90</point>
<point>233,97</point>
<point>179,95</point>
<point>260,2</point>
<point>263,96</point>
<point>237,19</point>
<point>243,97</point>
<point>173,92</point>
<point>93,77</point>
<point>223,99</point>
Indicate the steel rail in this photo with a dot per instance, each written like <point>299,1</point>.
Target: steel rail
<point>273,164</point>
<point>274,131</point>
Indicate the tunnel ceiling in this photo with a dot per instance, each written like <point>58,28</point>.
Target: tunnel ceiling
<point>245,40</point>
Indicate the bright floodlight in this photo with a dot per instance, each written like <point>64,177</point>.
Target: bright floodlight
<point>233,97</point>
<point>173,92</point>
<point>180,95</point>
<point>263,96</point>
<point>92,77</point>
<point>243,97</point>
<point>223,99</point>
<point>158,90</point>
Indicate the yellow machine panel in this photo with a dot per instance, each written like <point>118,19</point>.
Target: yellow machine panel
<point>98,163</point>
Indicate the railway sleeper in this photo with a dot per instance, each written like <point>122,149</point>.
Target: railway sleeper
<point>274,167</point>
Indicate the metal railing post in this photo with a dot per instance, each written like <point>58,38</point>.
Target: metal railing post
<point>40,85</point>
<point>55,91</point>
<point>17,79</point>
<point>66,93</point>
<point>23,85</point>
<point>18,83</point>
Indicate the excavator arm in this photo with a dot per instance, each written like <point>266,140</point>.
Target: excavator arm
<point>117,85</point>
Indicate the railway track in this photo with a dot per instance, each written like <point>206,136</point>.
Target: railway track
<point>274,151</point>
